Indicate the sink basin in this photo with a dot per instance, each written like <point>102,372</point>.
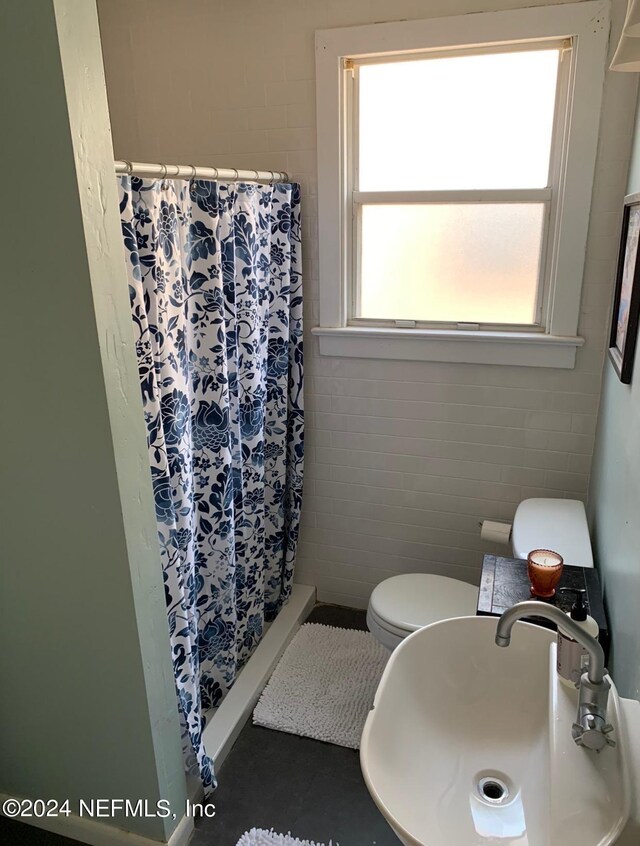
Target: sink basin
<point>470,744</point>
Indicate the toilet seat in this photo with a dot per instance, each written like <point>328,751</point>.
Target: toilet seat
<point>387,638</point>
<point>403,604</point>
<point>387,626</point>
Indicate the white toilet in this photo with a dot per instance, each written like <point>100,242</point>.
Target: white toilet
<point>402,604</point>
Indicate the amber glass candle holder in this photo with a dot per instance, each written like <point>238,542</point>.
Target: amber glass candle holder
<point>545,568</point>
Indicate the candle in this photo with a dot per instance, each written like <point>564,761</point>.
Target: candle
<point>545,568</point>
<point>545,558</point>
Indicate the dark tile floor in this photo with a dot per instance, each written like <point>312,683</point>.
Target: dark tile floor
<point>274,780</point>
<point>294,784</point>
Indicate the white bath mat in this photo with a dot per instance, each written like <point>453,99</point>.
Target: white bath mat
<point>262,837</point>
<point>324,684</point>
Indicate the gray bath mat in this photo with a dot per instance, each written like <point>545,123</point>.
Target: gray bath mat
<point>262,837</point>
<point>324,684</point>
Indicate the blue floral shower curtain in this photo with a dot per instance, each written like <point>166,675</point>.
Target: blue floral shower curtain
<point>216,298</point>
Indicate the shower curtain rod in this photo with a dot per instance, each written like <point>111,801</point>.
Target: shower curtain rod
<point>164,171</point>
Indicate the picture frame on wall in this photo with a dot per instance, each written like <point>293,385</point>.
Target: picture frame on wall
<point>626,300</point>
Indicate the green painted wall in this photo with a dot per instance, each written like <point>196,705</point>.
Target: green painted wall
<point>614,503</point>
<point>87,704</point>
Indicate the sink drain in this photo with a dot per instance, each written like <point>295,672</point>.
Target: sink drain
<point>493,790</point>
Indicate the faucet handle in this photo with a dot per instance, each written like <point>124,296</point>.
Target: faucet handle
<point>592,734</point>
<point>606,731</point>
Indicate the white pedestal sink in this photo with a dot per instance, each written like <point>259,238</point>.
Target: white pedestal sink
<point>469,744</point>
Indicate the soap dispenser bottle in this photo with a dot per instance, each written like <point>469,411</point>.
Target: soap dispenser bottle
<point>572,657</point>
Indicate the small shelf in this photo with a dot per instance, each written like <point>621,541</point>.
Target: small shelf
<point>504,581</point>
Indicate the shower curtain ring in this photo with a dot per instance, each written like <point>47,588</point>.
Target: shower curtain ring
<point>257,175</point>
<point>129,166</point>
<point>193,171</point>
<point>235,174</point>
<point>164,184</point>
<point>215,172</point>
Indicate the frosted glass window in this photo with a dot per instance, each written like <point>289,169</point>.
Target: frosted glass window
<point>459,122</point>
<point>476,263</point>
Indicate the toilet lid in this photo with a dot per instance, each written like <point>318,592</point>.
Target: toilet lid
<point>413,600</point>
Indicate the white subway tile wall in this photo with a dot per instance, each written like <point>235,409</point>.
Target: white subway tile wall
<point>404,459</point>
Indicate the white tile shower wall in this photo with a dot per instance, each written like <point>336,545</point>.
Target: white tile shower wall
<point>404,459</point>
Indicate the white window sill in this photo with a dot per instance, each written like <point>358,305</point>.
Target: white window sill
<point>528,349</point>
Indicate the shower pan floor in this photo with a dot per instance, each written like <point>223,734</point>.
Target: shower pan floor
<point>282,781</point>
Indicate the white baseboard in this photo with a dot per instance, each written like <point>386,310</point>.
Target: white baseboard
<point>219,736</point>
<point>226,724</point>
<point>97,833</point>
<point>182,832</point>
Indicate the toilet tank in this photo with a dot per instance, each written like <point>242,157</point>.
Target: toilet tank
<point>557,524</point>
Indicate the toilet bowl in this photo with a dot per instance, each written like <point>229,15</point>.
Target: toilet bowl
<point>402,604</point>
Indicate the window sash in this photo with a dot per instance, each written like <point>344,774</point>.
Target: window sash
<point>356,199</point>
<point>499,195</point>
<point>360,199</point>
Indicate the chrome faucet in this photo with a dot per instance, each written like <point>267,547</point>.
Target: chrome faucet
<point>590,729</point>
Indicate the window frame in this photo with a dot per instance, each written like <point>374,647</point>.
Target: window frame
<point>356,198</point>
<point>552,342</point>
